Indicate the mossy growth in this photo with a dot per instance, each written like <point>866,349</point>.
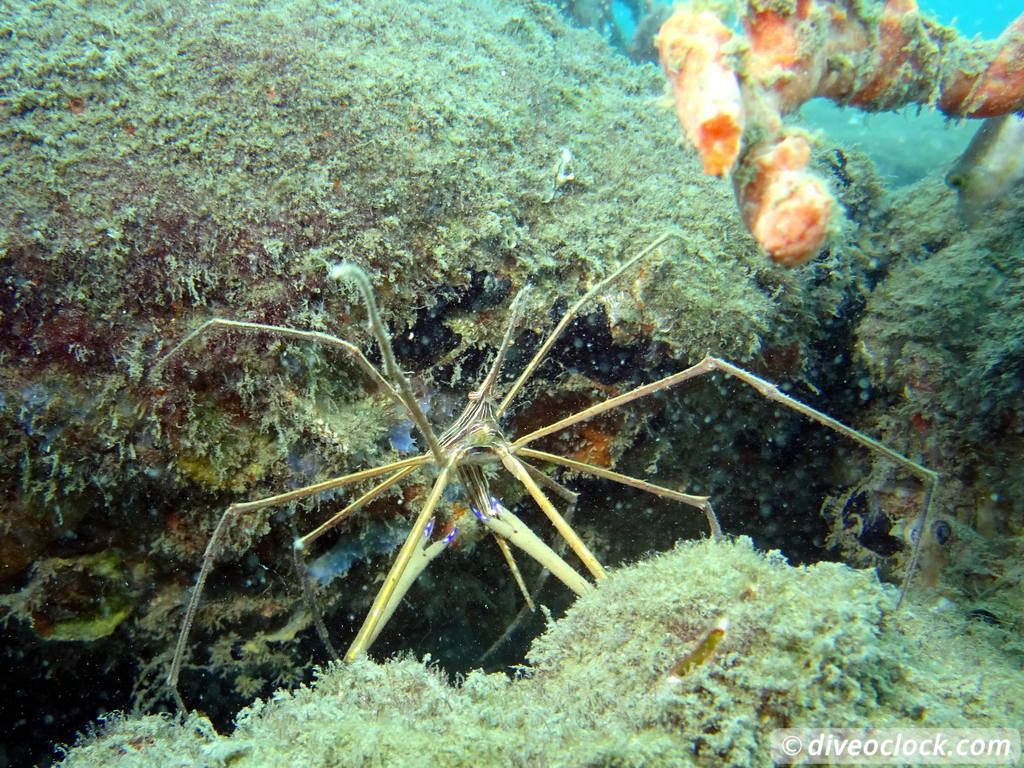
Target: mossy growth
<point>77,599</point>
<point>942,334</point>
<point>807,646</point>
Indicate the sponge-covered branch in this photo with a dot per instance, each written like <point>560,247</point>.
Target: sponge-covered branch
<point>732,90</point>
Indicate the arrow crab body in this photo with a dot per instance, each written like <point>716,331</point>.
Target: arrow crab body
<point>460,454</point>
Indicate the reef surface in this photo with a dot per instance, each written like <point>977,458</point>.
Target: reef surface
<point>165,163</point>
<point>813,646</point>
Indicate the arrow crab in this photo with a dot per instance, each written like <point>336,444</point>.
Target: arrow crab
<point>475,441</point>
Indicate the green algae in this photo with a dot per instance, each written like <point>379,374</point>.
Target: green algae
<point>80,599</point>
<point>807,646</point>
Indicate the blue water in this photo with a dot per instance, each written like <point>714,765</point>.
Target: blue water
<point>984,19</point>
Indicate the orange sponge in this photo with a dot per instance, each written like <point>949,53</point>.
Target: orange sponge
<point>785,207</point>
<point>705,88</point>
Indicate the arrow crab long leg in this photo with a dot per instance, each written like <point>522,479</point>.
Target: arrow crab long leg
<point>376,616</point>
<point>225,523</point>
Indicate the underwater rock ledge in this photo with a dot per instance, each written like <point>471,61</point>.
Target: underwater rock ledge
<point>809,646</point>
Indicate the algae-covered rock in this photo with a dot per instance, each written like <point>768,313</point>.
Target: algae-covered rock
<point>942,332</point>
<point>167,162</point>
<point>85,598</point>
<point>807,646</point>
